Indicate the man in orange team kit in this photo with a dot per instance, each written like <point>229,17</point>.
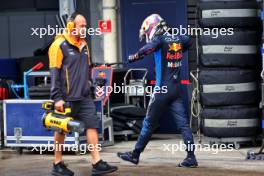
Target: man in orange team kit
<point>69,67</point>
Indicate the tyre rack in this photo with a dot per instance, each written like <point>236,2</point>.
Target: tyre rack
<point>251,155</point>
<point>197,108</point>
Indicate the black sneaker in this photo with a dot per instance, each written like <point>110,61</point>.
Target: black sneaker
<point>102,167</point>
<point>61,169</point>
<point>129,156</point>
<point>189,162</point>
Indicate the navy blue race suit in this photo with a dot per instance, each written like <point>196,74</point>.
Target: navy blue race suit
<point>168,53</point>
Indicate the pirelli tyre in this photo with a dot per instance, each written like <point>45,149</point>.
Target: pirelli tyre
<point>238,50</point>
<point>236,14</point>
<point>231,121</point>
<point>224,87</point>
<point>40,88</point>
<point>39,95</point>
<point>39,92</point>
<point>128,112</point>
<point>133,124</point>
<point>120,126</point>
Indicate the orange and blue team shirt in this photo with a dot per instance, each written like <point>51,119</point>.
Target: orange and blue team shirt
<point>69,62</point>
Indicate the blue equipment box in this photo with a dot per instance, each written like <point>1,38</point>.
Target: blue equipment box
<point>1,125</point>
<point>23,125</point>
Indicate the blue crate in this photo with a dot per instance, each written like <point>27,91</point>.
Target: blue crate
<point>23,126</point>
<point>1,125</point>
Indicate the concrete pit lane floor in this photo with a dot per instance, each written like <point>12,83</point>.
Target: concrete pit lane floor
<point>155,161</point>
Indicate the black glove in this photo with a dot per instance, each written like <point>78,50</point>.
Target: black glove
<point>92,92</point>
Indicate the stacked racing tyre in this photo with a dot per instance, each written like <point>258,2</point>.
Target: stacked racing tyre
<point>229,69</point>
<point>262,73</point>
<point>41,91</point>
<point>127,117</point>
<point>228,13</point>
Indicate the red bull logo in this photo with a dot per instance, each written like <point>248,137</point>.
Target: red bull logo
<point>102,74</point>
<point>174,56</point>
<point>175,47</point>
<point>174,51</point>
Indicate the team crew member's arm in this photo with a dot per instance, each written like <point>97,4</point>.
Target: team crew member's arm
<point>186,42</point>
<point>55,62</point>
<point>147,49</point>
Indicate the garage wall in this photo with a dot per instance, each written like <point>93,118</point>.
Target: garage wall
<point>29,5</point>
<point>96,44</point>
<point>173,11</point>
<point>15,32</point>
<point>96,40</point>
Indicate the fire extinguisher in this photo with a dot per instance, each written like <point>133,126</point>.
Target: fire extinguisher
<point>4,91</point>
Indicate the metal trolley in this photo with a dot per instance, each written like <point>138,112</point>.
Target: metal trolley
<point>133,94</point>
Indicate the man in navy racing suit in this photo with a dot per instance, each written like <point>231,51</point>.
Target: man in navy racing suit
<point>168,53</point>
